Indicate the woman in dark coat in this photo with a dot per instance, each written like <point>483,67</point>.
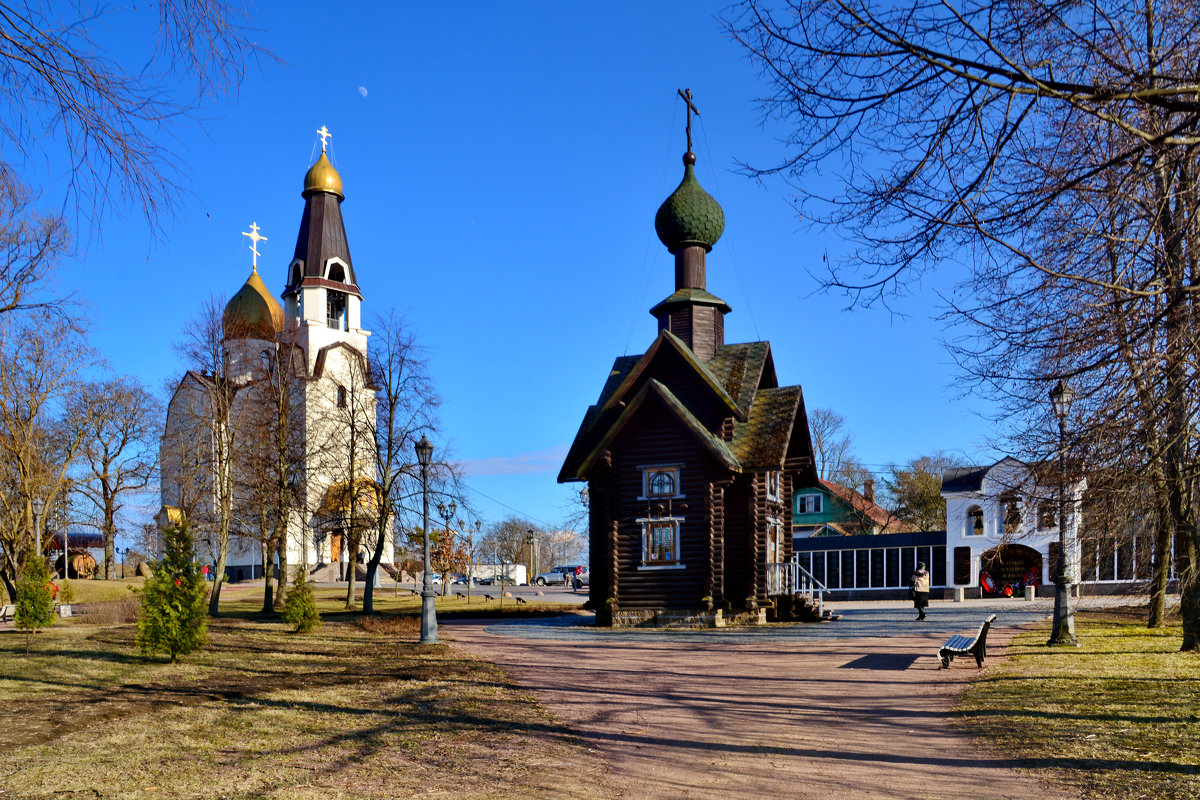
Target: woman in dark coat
<point>920,590</point>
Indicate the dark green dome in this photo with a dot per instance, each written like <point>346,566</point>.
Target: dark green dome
<point>690,216</point>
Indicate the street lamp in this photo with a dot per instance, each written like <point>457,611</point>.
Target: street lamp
<point>446,514</point>
<point>470,532</point>
<point>429,634</point>
<point>39,505</point>
<point>531,540</point>
<point>1063,632</point>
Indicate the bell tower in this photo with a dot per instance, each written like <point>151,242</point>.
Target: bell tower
<point>322,301</point>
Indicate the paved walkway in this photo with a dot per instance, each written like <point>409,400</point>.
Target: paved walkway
<point>851,709</point>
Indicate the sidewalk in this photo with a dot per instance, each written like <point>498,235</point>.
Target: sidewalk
<point>808,711</point>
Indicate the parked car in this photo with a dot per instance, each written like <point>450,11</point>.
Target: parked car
<point>559,575</point>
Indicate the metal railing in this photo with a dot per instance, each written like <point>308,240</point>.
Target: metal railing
<point>791,578</point>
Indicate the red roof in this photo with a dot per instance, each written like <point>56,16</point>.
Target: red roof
<point>887,522</point>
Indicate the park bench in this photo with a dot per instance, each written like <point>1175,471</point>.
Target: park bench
<point>7,612</point>
<point>967,645</point>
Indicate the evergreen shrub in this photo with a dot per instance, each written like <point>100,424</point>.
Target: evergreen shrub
<point>300,606</point>
<point>174,608</point>
<point>35,598</point>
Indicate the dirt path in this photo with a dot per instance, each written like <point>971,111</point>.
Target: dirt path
<point>764,717</point>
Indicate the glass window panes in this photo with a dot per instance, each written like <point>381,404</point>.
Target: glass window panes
<point>808,504</point>
<point>660,543</point>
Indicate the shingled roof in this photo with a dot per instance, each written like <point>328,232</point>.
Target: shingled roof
<point>741,375</point>
<point>887,522</point>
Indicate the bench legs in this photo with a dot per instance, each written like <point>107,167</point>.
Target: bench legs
<point>947,657</point>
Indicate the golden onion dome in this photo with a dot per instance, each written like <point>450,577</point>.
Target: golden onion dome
<point>253,313</point>
<point>322,177</point>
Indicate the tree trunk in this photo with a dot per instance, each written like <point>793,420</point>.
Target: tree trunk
<point>268,568</point>
<point>110,555</point>
<point>1157,606</point>
<point>368,594</point>
<point>281,583</point>
<point>214,599</point>
<point>1189,592</point>
<point>351,569</point>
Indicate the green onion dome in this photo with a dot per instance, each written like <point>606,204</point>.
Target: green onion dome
<point>690,216</point>
<point>253,313</point>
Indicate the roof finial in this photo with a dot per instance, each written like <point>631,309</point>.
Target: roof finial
<point>686,94</point>
<point>255,238</point>
<point>325,135</point>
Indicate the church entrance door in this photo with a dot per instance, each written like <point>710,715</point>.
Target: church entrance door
<point>335,548</point>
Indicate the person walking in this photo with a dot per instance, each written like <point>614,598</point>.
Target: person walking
<point>920,590</point>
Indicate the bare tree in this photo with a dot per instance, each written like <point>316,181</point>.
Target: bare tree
<point>834,449</point>
<point>201,438</point>
<point>31,246</point>
<point>269,460</point>
<point>406,406</point>
<point>64,99</point>
<point>42,366</point>
<point>505,540</point>
<point>119,451</point>
<point>1050,146</point>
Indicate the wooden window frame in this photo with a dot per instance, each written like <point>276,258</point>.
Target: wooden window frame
<point>774,482</point>
<point>820,504</point>
<point>648,474</point>
<point>648,526</point>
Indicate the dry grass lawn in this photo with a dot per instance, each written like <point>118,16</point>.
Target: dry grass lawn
<point>1118,717</point>
<point>353,710</point>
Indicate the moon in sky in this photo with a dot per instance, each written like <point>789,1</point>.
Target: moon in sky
<point>362,90</point>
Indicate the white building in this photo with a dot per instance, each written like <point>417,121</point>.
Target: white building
<point>1002,524</point>
<point>330,407</point>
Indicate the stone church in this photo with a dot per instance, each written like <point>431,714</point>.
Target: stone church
<point>306,358</point>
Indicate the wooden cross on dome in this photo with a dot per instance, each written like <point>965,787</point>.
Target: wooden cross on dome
<point>325,135</point>
<point>255,238</point>
<point>686,94</point>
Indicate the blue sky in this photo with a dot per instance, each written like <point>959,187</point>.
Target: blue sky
<point>502,165</point>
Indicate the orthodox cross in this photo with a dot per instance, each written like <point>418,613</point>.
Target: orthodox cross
<point>325,135</point>
<point>255,238</point>
<point>686,94</point>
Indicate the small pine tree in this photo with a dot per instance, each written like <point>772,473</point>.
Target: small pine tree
<point>66,592</point>
<point>35,598</point>
<point>174,603</point>
<point>300,606</point>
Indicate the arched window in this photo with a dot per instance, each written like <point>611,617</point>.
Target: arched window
<point>1012,512</point>
<point>661,482</point>
<point>341,396</point>
<point>335,310</point>
<point>974,521</point>
<point>296,276</point>
<point>336,272</point>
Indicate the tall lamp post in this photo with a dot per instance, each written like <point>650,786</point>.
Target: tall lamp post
<point>470,533</point>
<point>531,540</point>
<point>1063,633</point>
<point>446,513</point>
<point>429,634</point>
<point>39,506</point>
